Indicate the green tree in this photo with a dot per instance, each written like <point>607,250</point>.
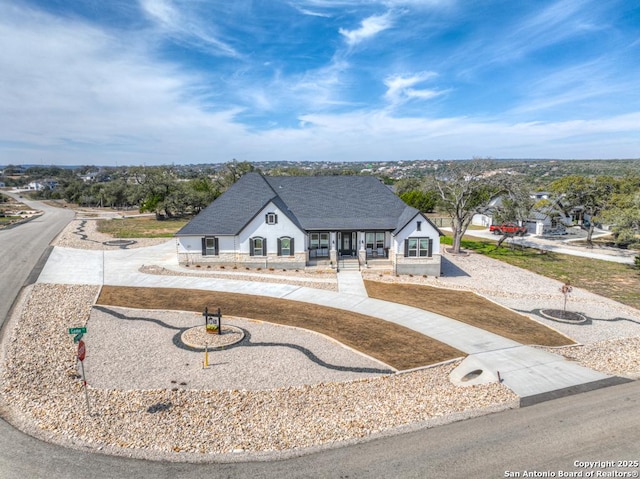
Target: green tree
<point>425,201</point>
<point>406,185</point>
<point>156,186</point>
<point>199,192</point>
<point>232,172</point>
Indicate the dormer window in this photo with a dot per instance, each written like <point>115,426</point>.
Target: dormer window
<point>271,218</point>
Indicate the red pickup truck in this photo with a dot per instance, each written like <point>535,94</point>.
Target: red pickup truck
<point>508,228</point>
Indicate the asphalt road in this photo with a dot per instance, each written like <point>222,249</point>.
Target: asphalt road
<point>602,425</point>
<point>23,245</point>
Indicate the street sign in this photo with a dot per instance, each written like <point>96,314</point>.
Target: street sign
<point>77,337</point>
<point>81,351</point>
<point>77,330</point>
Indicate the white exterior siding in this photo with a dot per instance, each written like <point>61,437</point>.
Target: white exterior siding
<point>424,265</point>
<point>237,249</point>
<point>411,230</point>
<point>259,227</point>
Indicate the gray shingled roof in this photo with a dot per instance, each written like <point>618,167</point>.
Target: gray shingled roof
<point>312,202</point>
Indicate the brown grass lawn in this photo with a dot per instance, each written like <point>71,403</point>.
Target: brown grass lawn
<point>469,308</point>
<point>141,227</point>
<point>394,345</point>
<point>620,282</point>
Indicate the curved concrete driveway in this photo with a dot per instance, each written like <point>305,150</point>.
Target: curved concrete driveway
<point>531,373</point>
<point>563,246</point>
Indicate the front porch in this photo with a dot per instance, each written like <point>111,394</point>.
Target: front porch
<point>336,245</point>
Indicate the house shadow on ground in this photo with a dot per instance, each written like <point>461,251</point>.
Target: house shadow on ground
<point>450,270</point>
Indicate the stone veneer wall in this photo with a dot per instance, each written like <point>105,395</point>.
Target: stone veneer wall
<point>418,266</point>
<point>299,260</point>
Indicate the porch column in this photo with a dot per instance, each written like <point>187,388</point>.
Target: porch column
<point>362,250</point>
<point>333,251</point>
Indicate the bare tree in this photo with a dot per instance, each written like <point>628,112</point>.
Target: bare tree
<point>515,205</point>
<point>464,189</point>
<point>591,195</point>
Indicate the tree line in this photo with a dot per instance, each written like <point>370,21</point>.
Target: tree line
<point>465,189</point>
<point>162,190</point>
<point>458,189</point>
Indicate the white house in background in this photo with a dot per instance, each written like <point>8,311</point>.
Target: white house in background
<point>291,222</point>
<point>544,220</point>
<point>42,185</point>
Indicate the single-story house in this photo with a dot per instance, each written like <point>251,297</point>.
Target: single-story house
<point>296,221</point>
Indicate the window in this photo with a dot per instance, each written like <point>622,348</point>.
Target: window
<point>419,226</point>
<point>319,243</point>
<point>285,246</point>
<point>417,247</point>
<point>209,246</point>
<point>258,247</point>
<point>374,241</point>
<point>271,218</point>
<point>319,240</point>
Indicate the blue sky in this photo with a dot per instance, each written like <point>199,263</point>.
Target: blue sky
<point>208,81</point>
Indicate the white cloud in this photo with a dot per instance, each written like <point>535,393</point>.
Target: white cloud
<point>185,26</point>
<point>82,92</point>
<point>85,96</point>
<point>401,89</point>
<point>369,27</point>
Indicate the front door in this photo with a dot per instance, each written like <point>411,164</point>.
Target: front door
<point>347,243</point>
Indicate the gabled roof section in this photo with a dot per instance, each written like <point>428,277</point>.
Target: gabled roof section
<point>408,214</point>
<point>232,210</point>
<point>312,202</point>
<point>339,202</point>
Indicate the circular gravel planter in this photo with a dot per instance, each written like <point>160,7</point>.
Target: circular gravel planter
<point>563,316</point>
<point>199,338</point>
<point>120,243</point>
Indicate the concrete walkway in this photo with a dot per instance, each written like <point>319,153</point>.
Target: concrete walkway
<point>350,282</point>
<point>531,373</point>
<point>563,246</point>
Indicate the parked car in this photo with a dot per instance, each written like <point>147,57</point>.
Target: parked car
<point>508,228</point>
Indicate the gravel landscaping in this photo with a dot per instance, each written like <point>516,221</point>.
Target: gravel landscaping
<point>528,293</point>
<point>43,395</point>
<point>279,391</point>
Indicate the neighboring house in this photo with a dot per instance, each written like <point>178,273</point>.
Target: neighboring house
<point>292,222</point>
<point>42,185</point>
<point>486,219</point>
<point>548,219</point>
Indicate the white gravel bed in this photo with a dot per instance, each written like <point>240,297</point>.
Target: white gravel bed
<point>317,280</point>
<point>42,394</point>
<point>617,357</point>
<point>139,352</point>
<point>72,237</point>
